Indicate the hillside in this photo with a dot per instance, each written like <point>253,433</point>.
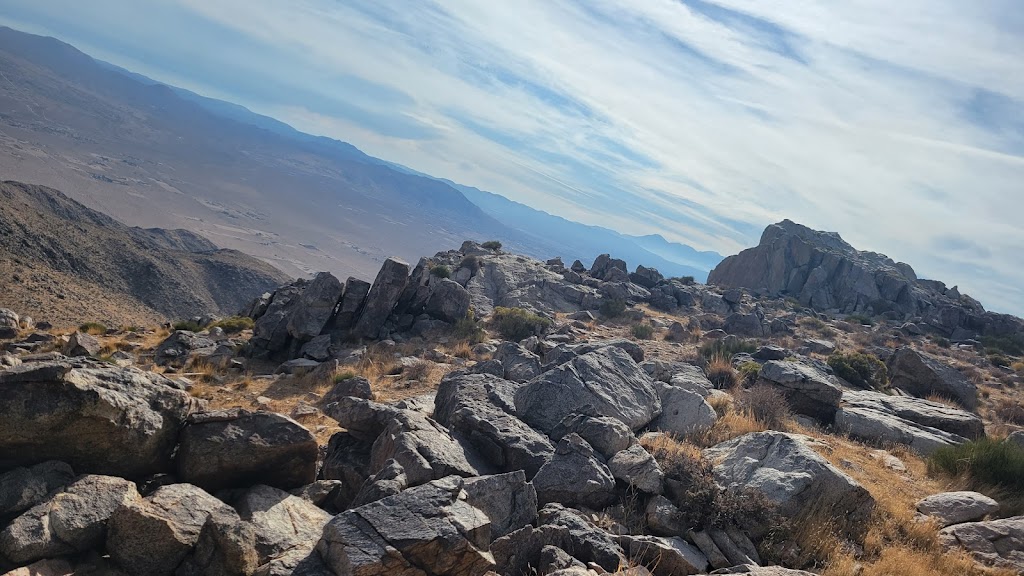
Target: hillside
<point>68,264</point>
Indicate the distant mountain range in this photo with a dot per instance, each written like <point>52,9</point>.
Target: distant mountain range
<point>166,157</point>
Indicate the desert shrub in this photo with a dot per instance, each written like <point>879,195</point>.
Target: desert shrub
<point>1008,345</point>
<point>612,308</point>
<point>861,370</point>
<point>441,271</point>
<point>343,375</point>
<point>189,325</point>
<point>492,245</point>
<point>418,371</point>
<point>469,330</point>
<point>748,371</point>
<point>721,373</point>
<point>1009,411</point>
<point>985,463</point>
<point>1018,367</point>
<point>999,360</point>
<point>517,324</point>
<point>94,328</point>
<point>234,324</point>
<point>766,404</point>
<point>860,319</point>
<point>727,347</point>
<point>942,342</point>
<point>643,331</point>
<point>471,262</point>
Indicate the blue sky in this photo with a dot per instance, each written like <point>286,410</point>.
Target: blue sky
<point>898,124</point>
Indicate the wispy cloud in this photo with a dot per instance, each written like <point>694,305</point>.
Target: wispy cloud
<point>898,124</point>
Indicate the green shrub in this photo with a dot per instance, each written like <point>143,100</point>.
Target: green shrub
<point>643,331</point>
<point>94,328</point>
<point>517,324</point>
<point>726,348</point>
<point>469,330</point>
<point>749,371</point>
<point>234,324</point>
<point>612,308</point>
<point>189,325</point>
<point>860,319</point>
<point>345,375</point>
<point>985,463</point>
<point>492,245</point>
<point>943,342</point>
<point>1008,345</point>
<point>441,271</point>
<point>999,360</point>
<point>861,370</point>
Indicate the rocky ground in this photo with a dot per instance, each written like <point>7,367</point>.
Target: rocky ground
<point>483,412</point>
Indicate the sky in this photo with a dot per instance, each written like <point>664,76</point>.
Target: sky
<point>899,125</point>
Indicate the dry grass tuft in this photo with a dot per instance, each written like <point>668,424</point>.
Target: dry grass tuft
<point>733,423</point>
<point>721,373</point>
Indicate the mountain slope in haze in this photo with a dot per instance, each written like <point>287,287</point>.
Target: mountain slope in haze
<point>67,264</point>
<point>583,242</point>
<point>675,252</point>
<point>149,157</point>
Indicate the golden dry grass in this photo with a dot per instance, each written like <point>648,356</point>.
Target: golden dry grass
<point>732,423</point>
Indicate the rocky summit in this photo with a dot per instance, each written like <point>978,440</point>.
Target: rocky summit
<point>812,410</point>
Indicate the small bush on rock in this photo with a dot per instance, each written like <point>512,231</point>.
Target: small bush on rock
<point>469,330</point>
<point>517,324</point>
<point>861,370</point>
<point>767,405</point>
<point>188,325</point>
<point>612,308</point>
<point>1007,345</point>
<point>234,324</point>
<point>94,328</point>
<point>492,245</point>
<point>749,371</point>
<point>441,271</point>
<point>643,331</point>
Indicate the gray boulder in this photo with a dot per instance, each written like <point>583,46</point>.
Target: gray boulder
<point>318,349</point>
<point>748,324</point>
<point>665,556</point>
<point>237,448</point>
<point>508,500</point>
<point>604,264</point>
<point>154,535</point>
<point>587,542</point>
<point>605,434</point>
<point>922,425</point>
<point>226,547</point>
<point>382,298</point>
<point>636,467</point>
<point>479,408</point>
<point>808,391</point>
<point>314,307</point>
<point>9,323</point>
<point>606,382</point>
<point>919,411</point>
<point>428,529</point>
<point>923,375</point>
<point>518,363</point>
<point>280,521</point>
<point>794,477</point>
<point>23,488</point>
<point>178,348</point>
<point>82,344</point>
<point>357,387</point>
<point>71,520</point>
<point>575,476</point>
<point>996,542</point>
<point>117,421</point>
<point>683,411</point>
<point>351,304</point>
<point>448,300</point>
<point>347,460</point>
<point>957,507</point>
<point>646,277</point>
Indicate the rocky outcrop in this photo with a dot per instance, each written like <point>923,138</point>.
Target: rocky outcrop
<point>429,529</point>
<point>825,273</point>
<point>575,476</point>
<point>809,391</point>
<point>997,542</point>
<point>280,522</point>
<point>237,448</point>
<point>792,475</point>
<point>957,507</point>
<point>606,382</point>
<point>23,488</point>
<point>118,421</point>
<point>923,375</point>
<point>922,425</point>
<point>382,298</point>
<point>178,348</point>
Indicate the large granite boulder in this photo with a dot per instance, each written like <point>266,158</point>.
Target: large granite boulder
<point>178,348</point>
<point>73,519</point>
<point>448,300</point>
<point>922,425</point>
<point>808,391</point>
<point>351,304</point>
<point>514,281</point>
<point>154,535</point>
<point>382,298</point>
<point>226,547</point>
<point>518,363</point>
<point>683,411</point>
<point>314,307</point>
<point>996,542</point>
<point>923,375</point>
<point>429,529</point>
<point>480,408</point>
<point>575,476</point>
<point>23,488</point>
<point>237,448</point>
<point>279,521</point>
<point>606,382</point>
<point>957,507</point>
<point>82,344</point>
<point>118,421</point>
<point>789,473</point>
<point>508,500</point>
